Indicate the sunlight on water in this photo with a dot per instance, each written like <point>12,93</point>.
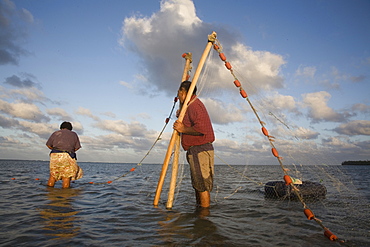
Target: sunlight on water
<point>121,213</point>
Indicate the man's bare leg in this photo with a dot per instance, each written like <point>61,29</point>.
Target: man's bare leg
<point>197,199</point>
<point>204,199</point>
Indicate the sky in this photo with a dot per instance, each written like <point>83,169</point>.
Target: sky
<point>112,68</point>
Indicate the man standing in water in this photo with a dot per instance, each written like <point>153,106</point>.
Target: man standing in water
<point>196,138</point>
<point>63,162</point>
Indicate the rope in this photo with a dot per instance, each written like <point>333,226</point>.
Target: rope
<point>218,47</point>
<point>146,155</point>
<point>160,134</point>
<point>187,56</point>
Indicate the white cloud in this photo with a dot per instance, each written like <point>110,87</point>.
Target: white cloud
<point>23,111</point>
<point>133,129</point>
<point>110,114</point>
<point>176,29</point>
<point>338,75</point>
<point>306,71</point>
<point>339,144</point>
<point>142,115</point>
<point>40,129</point>
<point>123,135</point>
<point>183,11</point>
<point>141,77</point>
<point>318,108</point>
<point>86,112</point>
<point>126,84</point>
<point>284,102</point>
<point>329,85</point>
<point>228,146</point>
<point>27,16</point>
<point>305,134</point>
<point>7,122</point>
<point>158,41</point>
<point>358,127</point>
<point>222,113</point>
<point>30,94</point>
<point>61,114</point>
<point>7,141</point>
<point>361,108</point>
<point>261,68</point>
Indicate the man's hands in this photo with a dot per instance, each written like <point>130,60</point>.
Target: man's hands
<point>179,126</point>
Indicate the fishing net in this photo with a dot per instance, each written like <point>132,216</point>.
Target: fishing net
<point>299,170</point>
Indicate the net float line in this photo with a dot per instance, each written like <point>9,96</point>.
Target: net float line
<point>309,214</point>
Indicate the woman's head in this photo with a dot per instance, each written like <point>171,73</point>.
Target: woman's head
<point>66,125</point>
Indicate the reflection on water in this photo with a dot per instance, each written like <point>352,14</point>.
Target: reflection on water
<point>59,214</point>
<point>190,228</point>
<point>121,214</point>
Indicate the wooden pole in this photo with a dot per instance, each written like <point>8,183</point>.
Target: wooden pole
<point>211,39</point>
<point>175,163</point>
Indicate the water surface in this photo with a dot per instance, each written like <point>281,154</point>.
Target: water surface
<point>121,213</point>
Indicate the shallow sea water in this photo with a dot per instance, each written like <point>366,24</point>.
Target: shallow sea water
<point>121,213</point>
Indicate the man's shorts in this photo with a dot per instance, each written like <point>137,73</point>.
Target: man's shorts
<point>201,161</point>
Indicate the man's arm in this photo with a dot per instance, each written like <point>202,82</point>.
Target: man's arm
<point>181,128</point>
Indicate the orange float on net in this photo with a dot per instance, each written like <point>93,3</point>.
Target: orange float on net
<point>264,131</point>
<point>228,65</point>
<point>37,179</point>
<point>132,169</point>
<point>215,46</point>
<point>222,56</point>
<point>237,83</point>
<point>109,182</point>
<point>243,93</point>
<point>91,182</point>
<point>309,214</point>
<point>187,77</point>
<point>13,178</point>
<point>287,179</point>
<point>167,120</point>
<point>184,55</point>
<point>330,235</point>
<point>275,152</point>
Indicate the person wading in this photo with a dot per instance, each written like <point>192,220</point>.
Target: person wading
<point>196,138</point>
<point>63,161</point>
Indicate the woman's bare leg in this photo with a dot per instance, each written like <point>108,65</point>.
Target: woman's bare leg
<point>51,181</point>
<point>66,182</point>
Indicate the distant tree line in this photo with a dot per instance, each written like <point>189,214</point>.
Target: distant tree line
<point>358,162</point>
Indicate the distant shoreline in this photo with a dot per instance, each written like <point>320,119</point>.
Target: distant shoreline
<point>359,162</point>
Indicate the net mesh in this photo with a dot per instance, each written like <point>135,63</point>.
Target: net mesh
<point>334,193</point>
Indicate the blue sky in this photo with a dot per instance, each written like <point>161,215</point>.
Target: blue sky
<point>112,68</point>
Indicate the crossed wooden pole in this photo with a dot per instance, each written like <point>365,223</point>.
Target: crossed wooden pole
<point>175,138</point>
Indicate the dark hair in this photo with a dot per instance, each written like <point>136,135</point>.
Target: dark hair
<point>185,85</point>
<point>66,125</point>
